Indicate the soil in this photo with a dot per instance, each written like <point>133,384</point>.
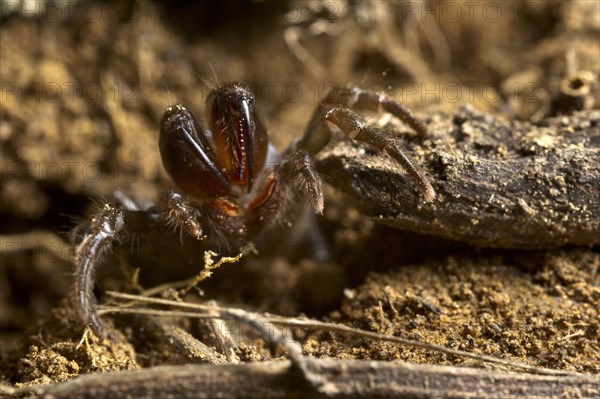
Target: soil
<point>84,86</point>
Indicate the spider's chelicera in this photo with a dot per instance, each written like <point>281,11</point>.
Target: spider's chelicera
<point>233,186</point>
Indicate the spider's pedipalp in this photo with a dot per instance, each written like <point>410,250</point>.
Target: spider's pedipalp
<point>183,215</point>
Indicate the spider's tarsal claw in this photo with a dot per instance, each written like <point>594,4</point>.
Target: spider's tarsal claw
<point>429,193</point>
<point>353,126</point>
<point>414,172</point>
<point>318,205</point>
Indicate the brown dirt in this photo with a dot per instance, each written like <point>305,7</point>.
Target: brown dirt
<point>483,304</point>
<point>82,94</point>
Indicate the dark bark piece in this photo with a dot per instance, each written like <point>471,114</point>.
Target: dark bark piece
<point>499,184</point>
<point>345,378</point>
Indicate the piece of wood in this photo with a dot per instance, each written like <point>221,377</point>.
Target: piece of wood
<point>498,184</point>
<point>343,379</point>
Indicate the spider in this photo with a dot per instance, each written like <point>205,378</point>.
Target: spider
<point>233,186</point>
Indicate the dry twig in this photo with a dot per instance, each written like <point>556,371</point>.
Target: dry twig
<point>263,324</point>
<point>345,378</point>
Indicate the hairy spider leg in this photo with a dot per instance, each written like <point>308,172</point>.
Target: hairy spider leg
<point>368,100</point>
<point>334,114</point>
<point>115,222</point>
<point>276,198</point>
<point>317,134</point>
<point>97,241</point>
<point>353,126</point>
<point>299,166</point>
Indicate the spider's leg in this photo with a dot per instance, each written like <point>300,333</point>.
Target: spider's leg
<point>181,214</point>
<point>353,126</point>
<point>317,135</point>
<point>298,166</point>
<point>106,227</point>
<point>368,100</point>
<point>279,199</point>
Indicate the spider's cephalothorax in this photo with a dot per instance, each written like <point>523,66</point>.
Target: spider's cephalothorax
<point>233,186</point>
